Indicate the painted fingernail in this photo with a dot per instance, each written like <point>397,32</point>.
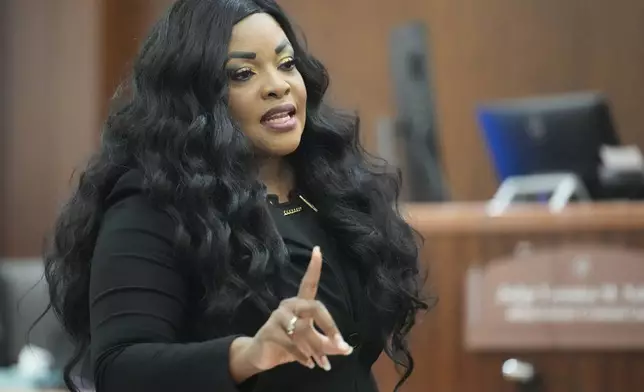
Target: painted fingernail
<point>310,364</point>
<point>319,362</point>
<point>325,363</point>
<point>344,346</point>
<point>316,249</point>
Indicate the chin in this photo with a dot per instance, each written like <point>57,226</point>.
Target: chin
<point>283,147</point>
<point>283,150</point>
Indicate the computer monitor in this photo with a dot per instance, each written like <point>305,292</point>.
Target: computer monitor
<point>549,134</point>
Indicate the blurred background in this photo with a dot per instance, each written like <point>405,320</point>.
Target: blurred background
<point>518,126</point>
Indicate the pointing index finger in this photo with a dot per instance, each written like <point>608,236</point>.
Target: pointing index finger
<point>310,281</point>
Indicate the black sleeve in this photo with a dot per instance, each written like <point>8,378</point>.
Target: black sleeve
<point>138,296</point>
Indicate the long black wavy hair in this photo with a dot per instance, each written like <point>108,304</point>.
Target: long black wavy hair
<point>173,125</point>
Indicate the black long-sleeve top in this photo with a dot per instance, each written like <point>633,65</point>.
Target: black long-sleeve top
<point>142,307</point>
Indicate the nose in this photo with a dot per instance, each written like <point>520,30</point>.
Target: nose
<point>275,87</point>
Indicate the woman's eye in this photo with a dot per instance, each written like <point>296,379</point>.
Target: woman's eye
<point>241,75</point>
<point>288,65</point>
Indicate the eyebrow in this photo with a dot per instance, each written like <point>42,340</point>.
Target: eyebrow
<point>279,48</point>
<point>252,55</point>
<point>242,55</point>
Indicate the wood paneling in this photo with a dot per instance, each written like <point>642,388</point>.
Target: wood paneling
<point>61,64</point>
<point>65,60</point>
<point>121,32</point>
<point>458,236</point>
<point>125,25</point>
<point>4,97</point>
<point>483,50</point>
<point>52,68</point>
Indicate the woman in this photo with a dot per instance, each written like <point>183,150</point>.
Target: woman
<point>187,258</point>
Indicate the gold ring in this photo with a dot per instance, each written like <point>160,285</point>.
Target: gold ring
<point>290,329</point>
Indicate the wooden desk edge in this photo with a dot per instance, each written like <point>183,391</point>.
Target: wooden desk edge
<point>454,218</point>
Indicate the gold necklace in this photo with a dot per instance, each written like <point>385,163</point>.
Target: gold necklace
<point>308,203</point>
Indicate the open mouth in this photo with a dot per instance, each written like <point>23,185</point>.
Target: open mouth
<point>279,118</point>
<point>279,114</point>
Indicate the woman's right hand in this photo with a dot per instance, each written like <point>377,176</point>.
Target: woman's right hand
<point>289,334</point>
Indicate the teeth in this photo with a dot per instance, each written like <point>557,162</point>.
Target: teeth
<point>278,118</point>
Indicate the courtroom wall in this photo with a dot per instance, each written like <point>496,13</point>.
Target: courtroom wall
<point>67,57</point>
<point>50,118</point>
<point>483,50</point>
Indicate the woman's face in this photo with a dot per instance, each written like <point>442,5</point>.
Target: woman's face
<point>267,96</point>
